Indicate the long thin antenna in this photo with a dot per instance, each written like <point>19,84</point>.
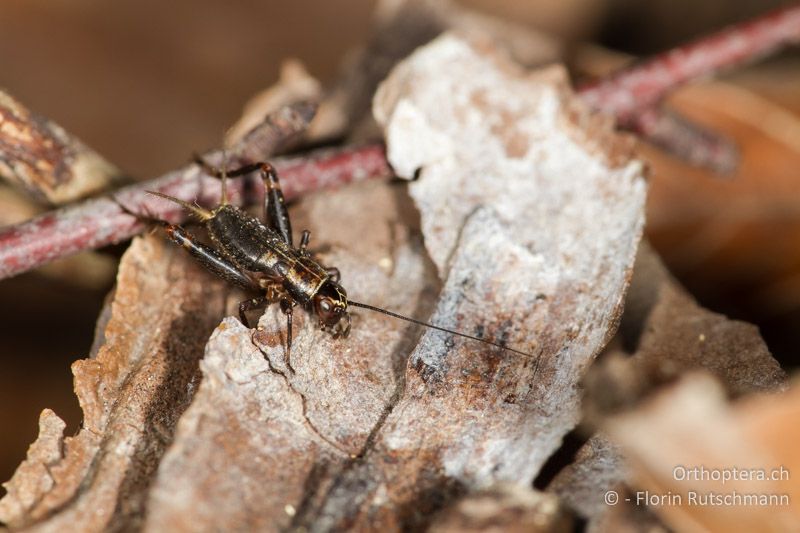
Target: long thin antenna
<point>224,179</point>
<point>421,323</point>
<point>203,214</point>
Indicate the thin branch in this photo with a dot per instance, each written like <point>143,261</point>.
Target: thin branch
<point>643,85</point>
<point>694,144</point>
<point>100,222</point>
<point>631,92</point>
<point>634,93</point>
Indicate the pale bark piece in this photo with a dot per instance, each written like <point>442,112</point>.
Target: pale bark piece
<point>264,435</point>
<point>401,26</point>
<point>497,135</point>
<point>132,393</point>
<point>32,479</point>
<point>243,450</point>
<point>702,460</point>
<point>532,212</point>
<point>504,508</point>
<point>39,156</point>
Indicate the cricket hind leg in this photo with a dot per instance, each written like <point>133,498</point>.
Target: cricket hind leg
<point>210,258</point>
<point>276,215</point>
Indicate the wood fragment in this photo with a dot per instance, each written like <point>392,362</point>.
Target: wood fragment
<point>670,335</point>
<point>691,426</point>
<point>51,165</point>
<point>294,85</point>
<point>131,392</point>
<point>509,508</point>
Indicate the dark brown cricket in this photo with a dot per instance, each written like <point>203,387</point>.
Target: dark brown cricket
<point>262,259</point>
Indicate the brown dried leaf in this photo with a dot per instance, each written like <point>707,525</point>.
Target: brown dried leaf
<point>673,335</point>
<point>692,426</point>
<point>37,155</point>
<point>730,236</point>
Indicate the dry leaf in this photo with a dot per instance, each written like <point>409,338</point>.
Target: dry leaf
<point>38,156</point>
<point>670,335</point>
<point>701,459</point>
<point>732,235</point>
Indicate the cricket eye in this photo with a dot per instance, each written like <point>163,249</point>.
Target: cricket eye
<point>325,305</point>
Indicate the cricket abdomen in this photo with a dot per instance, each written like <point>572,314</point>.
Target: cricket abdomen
<point>246,241</point>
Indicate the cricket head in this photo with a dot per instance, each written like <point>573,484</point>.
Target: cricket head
<point>330,305</point>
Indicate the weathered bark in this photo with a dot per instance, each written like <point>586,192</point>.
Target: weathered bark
<point>529,211</point>
<point>39,156</point>
<point>670,335</point>
<point>131,392</point>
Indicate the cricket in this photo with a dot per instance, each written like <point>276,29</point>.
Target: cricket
<point>260,257</point>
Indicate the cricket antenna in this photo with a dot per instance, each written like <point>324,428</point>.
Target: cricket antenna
<point>426,324</point>
<point>202,214</point>
<point>224,179</point>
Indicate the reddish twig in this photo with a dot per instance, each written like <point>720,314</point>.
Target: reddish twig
<point>633,94</point>
<point>692,143</point>
<point>629,93</point>
<point>643,85</point>
<point>102,221</point>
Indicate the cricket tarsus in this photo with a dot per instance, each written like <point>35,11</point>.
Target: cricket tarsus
<point>244,247</point>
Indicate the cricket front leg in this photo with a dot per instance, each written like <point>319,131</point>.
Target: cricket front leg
<point>287,308</point>
<point>258,302</point>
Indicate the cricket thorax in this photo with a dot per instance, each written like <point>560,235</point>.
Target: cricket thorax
<point>258,248</point>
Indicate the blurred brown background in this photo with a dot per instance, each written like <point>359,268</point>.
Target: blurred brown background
<point>146,83</point>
